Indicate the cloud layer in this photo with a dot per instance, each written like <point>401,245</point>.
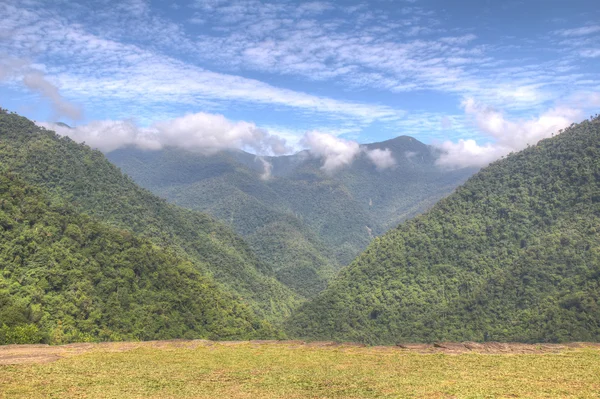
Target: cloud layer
<point>319,65</point>
<point>210,133</point>
<point>207,133</point>
<point>506,135</point>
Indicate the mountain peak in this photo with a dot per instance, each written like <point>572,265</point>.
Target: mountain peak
<point>400,144</point>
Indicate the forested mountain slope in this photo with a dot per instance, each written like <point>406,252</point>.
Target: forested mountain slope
<point>512,255</point>
<point>228,186</point>
<point>84,178</point>
<point>303,222</point>
<point>67,277</point>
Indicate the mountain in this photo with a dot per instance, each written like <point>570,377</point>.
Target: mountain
<point>67,277</point>
<point>86,180</point>
<point>303,222</point>
<point>512,255</point>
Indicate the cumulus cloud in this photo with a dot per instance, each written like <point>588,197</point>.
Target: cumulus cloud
<point>337,152</point>
<point>466,153</point>
<point>207,133</point>
<point>383,159</point>
<point>334,151</point>
<point>210,132</point>
<point>108,136</point>
<point>506,135</point>
<point>21,70</point>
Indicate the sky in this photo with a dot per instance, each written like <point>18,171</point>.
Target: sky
<point>477,79</point>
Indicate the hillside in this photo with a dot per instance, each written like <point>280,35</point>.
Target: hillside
<point>302,221</point>
<point>66,277</point>
<point>85,179</point>
<point>512,255</point>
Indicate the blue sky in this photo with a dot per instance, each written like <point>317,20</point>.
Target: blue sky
<point>477,78</point>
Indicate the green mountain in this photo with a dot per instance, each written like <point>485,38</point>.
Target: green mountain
<point>67,277</point>
<point>512,255</point>
<point>301,221</point>
<point>85,179</point>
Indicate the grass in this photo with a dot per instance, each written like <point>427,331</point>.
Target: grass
<point>248,370</point>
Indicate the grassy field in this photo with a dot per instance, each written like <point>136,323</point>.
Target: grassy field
<point>198,369</point>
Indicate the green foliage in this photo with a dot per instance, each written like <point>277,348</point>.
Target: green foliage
<point>21,334</point>
<point>301,222</point>
<point>84,178</point>
<point>513,255</point>
<point>66,277</point>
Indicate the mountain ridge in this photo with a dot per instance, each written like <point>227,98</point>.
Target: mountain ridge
<point>511,255</point>
<point>86,179</point>
<point>324,219</point>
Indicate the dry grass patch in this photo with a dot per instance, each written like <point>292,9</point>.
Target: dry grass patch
<point>200,369</point>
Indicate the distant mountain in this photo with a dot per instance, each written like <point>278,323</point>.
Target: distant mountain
<point>87,181</point>
<point>512,255</point>
<point>303,222</point>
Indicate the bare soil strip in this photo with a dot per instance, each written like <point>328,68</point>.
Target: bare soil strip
<point>23,354</point>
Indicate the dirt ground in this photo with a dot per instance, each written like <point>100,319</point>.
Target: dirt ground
<point>21,354</point>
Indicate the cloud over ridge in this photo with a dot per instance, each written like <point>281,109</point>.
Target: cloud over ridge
<point>203,132</point>
<point>337,153</point>
<point>507,135</point>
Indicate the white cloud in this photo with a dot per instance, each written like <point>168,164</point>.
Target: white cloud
<point>337,153</point>
<point>207,133</point>
<point>507,135</point>
<point>466,153</point>
<point>108,136</point>
<point>89,53</point>
<point>334,151</point>
<point>585,30</point>
<point>101,68</point>
<point>383,159</point>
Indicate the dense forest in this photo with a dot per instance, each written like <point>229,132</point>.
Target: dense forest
<point>87,255</point>
<point>512,255</point>
<point>86,181</point>
<point>300,220</point>
<point>67,277</point>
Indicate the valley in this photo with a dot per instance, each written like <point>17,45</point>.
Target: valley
<point>299,199</point>
<point>88,255</point>
<point>301,220</point>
